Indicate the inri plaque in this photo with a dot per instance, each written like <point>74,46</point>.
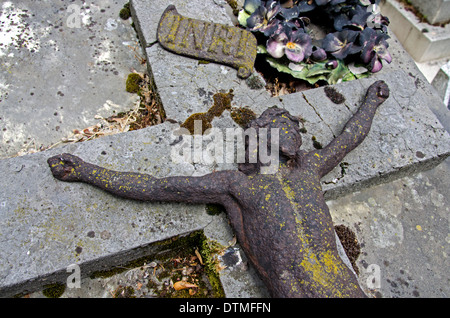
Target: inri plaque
<point>208,41</point>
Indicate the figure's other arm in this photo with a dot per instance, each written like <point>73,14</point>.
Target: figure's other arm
<point>354,131</point>
<point>212,188</point>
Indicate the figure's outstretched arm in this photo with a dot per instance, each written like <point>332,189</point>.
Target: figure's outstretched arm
<point>354,131</point>
<point>210,188</point>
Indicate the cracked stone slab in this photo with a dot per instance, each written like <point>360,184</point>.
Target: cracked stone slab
<point>56,57</point>
<point>406,136</point>
<point>47,225</point>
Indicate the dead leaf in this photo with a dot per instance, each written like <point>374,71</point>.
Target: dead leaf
<point>233,241</point>
<point>183,285</point>
<point>199,256</point>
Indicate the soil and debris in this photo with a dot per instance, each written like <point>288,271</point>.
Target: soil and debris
<point>334,95</point>
<point>186,267</point>
<point>350,243</point>
<point>278,83</point>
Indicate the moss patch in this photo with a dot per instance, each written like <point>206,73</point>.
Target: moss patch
<point>350,243</point>
<point>242,116</point>
<point>316,144</point>
<point>125,12</point>
<point>334,95</point>
<point>133,83</point>
<point>54,290</point>
<point>222,102</point>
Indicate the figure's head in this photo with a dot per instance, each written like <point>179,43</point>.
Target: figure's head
<point>289,140</point>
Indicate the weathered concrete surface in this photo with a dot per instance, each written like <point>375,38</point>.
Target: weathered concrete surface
<point>436,11</point>
<point>406,136</point>
<point>403,229</point>
<point>62,63</point>
<point>44,223</point>
<point>441,83</point>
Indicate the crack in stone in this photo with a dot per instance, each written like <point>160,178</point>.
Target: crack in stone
<point>149,45</point>
<point>318,114</point>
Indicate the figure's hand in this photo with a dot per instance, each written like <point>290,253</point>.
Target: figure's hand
<point>66,167</point>
<point>378,91</point>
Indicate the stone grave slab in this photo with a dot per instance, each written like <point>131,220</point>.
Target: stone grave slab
<point>406,136</point>
<point>441,83</point>
<point>423,41</point>
<point>46,225</point>
<point>55,55</point>
<point>435,11</point>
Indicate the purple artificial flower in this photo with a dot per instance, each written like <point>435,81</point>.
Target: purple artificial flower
<point>332,64</point>
<point>318,54</point>
<point>295,44</point>
<point>306,6</point>
<point>263,18</point>
<point>356,18</point>
<point>374,49</point>
<point>341,44</point>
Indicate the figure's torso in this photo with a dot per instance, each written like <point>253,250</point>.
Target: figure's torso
<point>289,230</point>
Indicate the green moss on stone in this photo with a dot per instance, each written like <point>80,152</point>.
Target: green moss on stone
<point>133,83</point>
<point>316,144</point>
<point>242,116</point>
<point>54,290</point>
<point>222,102</point>
<point>125,12</point>
<point>189,124</point>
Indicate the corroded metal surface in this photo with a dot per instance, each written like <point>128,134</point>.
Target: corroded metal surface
<point>281,220</point>
<point>207,41</point>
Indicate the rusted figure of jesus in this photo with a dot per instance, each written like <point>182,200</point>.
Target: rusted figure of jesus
<point>281,220</point>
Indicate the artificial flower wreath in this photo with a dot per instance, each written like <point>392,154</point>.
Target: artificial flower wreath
<point>355,44</point>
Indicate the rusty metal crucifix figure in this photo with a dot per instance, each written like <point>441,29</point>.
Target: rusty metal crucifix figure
<point>281,220</point>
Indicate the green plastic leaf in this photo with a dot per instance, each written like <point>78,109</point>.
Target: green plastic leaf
<point>261,49</point>
<point>349,77</point>
<point>356,72</point>
<point>242,17</point>
<point>316,72</point>
<point>318,69</point>
<point>338,73</point>
<point>303,74</point>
